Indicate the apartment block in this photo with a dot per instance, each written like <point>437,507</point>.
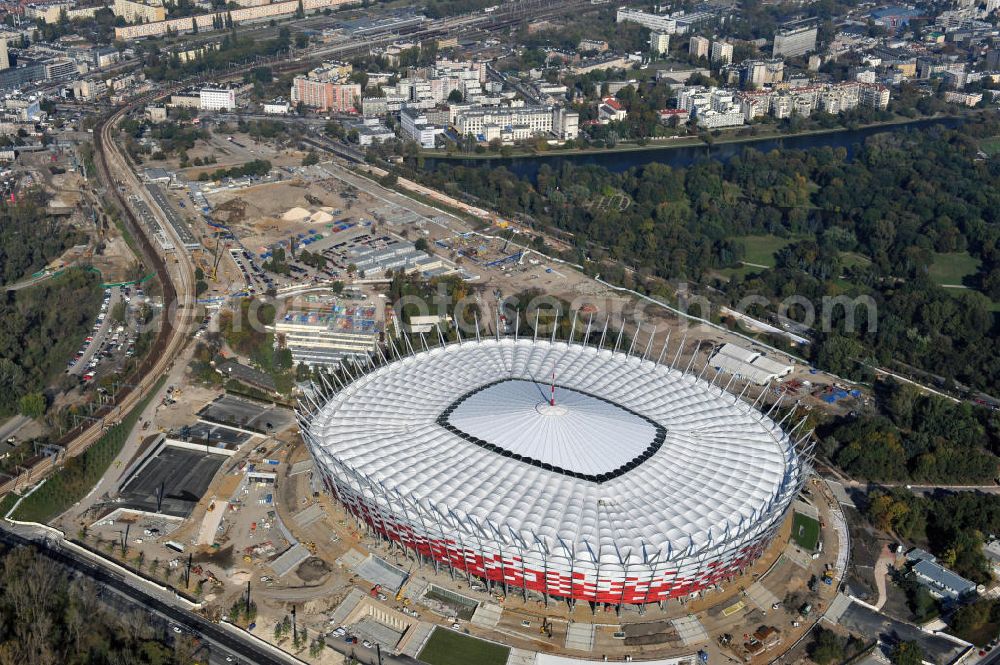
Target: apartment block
<point>205,22</point>
<point>698,47</point>
<point>659,42</point>
<point>139,12</point>
<point>722,53</point>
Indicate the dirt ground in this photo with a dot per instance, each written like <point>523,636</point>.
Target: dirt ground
<point>255,213</point>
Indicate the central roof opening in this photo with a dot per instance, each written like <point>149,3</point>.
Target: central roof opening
<point>579,435</point>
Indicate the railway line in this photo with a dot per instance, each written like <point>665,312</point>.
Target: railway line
<point>118,178</point>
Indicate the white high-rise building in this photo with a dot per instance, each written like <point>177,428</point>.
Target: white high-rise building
<point>217,99</point>
<point>659,42</point>
<point>722,53</point>
<point>791,42</point>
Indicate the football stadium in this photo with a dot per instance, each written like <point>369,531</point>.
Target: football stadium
<point>571,471</point>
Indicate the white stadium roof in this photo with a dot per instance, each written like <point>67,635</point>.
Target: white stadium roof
<point>633,456</point>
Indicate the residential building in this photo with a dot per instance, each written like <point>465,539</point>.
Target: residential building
<point>516,123</point>
<point>413,124</point>
<point>88,89</point>
<point>276,107</point>
<point>217,99</point>
<point>139,12</point>
<point>186,99</point>
<point>7,38</point>
<point>698,47</point>
<point>659,42</point>
<point>722,53</point>
<point>794,40</point>
<point>659,22</point>
<point>327,88</point>
<point>591,45</point>
<point>60,68</point>
<point>757,73</point>
<point>964,98</point>
<point>243,15</point>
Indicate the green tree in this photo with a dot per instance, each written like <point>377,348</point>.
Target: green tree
<point>32,405</point>
<point>907,653</point>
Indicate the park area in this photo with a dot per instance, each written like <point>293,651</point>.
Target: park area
<point>446,647</point>
<point>805,532</point>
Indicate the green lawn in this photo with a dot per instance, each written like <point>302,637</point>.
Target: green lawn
<point>805,531</point>
<point>7,503</point>
<point>953,267</point>
<point>990,146</point>
<point>446,647</point>
<point>853,259</point>
<point>761,249</point>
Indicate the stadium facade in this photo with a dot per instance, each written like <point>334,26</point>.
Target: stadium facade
<point>553,467</point>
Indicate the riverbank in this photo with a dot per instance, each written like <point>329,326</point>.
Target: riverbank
<point>685,155</point>
<point>688,142</point>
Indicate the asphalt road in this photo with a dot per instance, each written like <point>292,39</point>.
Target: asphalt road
<point>222,643</point>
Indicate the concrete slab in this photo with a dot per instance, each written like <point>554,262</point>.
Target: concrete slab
<point>761,597</point>
<point>309,515</point>
<point>487,615</point>
<point>381,572</point>
<point>580,636</point>
<point>416,638</point>
<point>690,630</point>
<point>521,657</point>
<point>210,523</point>
<point>837,608</point>
<point>347,605</point>
<point>291,558</point>
<point>840,493</point>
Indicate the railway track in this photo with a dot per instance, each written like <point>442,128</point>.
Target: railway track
<point>178,302</point>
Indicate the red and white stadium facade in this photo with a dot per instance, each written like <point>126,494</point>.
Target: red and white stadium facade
<point>573,471</point>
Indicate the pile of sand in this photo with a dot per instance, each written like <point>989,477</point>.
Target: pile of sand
<point>321,217</point>
<point>296,215</point>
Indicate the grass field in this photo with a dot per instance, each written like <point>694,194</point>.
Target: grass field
<point>446,647</point>
<point>8,503</point>
<point>852,259</point>
<point>761,249</point>
<point>990,146</point>
<point>953,268</point>
<point>805,531</point>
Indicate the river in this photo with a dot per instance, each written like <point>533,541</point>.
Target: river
<point>680,157</point>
